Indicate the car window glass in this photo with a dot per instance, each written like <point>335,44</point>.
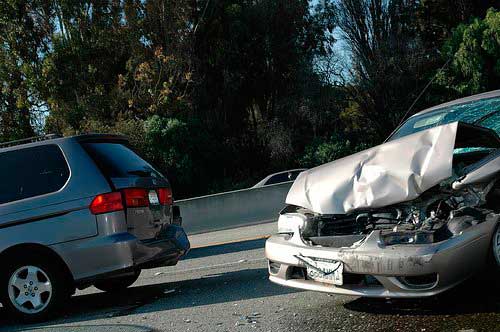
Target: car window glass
<point>429,121</point>
<point>492,122</point>
<point>32,172</point>
<point>118,161</point>
<point>278,178</point>
<point>468,113</point>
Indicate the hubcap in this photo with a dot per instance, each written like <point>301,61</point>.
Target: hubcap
<point>496,245</point>
<point>30,289</point>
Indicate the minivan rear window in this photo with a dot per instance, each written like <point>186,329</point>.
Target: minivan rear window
<point>116,160</point>
<point>32,172</point>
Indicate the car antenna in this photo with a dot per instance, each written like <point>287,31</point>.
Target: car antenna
<point>423,91</point>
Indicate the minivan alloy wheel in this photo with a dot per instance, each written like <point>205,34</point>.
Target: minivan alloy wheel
<point>30,289</point>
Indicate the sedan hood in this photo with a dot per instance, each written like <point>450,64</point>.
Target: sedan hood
<point>394,172</point>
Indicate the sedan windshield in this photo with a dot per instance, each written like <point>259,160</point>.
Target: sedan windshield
<point>485,112</point>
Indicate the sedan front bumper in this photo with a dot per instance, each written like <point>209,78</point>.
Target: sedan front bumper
<point>374,270</point>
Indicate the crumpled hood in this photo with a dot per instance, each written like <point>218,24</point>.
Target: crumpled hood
<point>394,172</point>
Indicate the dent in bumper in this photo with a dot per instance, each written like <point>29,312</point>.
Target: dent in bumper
<point>171,247</point>
<point>453,261</point>
<point>104,255</point>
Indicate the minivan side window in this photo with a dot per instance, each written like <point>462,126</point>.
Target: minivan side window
<point>31,172</point>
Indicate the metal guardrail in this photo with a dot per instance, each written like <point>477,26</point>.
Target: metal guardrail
<point>233,209</point>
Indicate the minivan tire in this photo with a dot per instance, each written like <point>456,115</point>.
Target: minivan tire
<point>117,284</point>
<point>43,281</point>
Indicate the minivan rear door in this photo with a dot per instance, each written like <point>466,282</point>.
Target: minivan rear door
<point>146,192</point>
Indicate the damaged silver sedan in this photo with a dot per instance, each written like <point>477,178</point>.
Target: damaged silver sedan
<point>412,217</point>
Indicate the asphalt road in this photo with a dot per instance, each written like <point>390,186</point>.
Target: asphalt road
<point>225,288</point>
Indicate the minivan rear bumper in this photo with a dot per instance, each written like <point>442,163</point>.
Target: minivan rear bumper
<point>114,254</point>
<point>165,251</point>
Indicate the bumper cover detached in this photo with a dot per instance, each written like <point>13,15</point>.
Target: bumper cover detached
<point>371,269</point>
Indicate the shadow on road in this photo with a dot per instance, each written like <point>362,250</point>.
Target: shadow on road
<point>473,306</point>
<point>212,289</point>
<point>472,297</point>
<point>91,328</point>
<point>225,248</point>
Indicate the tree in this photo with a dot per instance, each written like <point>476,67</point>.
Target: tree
<point>85,60</point>
<point>437,18</point>
<point>387,60</point>
<point>254,60</point>
<point>221,93</point>
<point>474,50</point>
<point>111,58</point>
<point>25,29</point>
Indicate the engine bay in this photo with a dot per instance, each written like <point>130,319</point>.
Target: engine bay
<point>362,201</point>
<point>440,220</point>
<point>437,215</point>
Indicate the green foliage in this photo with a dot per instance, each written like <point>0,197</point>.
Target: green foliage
<point>23,36</point>
<point>131,128</point>
<point>109,58</point>
<point>475,53</point>
<point>182,149</point>
<point>388,61</point>
<point>218,94</point>
<point>437,18</point>
<point>170,145</point>
<point>324,151</point>
<point>256,59</point>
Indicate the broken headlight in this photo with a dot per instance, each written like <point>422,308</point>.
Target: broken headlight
<point>290,223</point>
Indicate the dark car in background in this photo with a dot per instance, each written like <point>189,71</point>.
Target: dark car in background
<point>80,211</point>
<point>279,177</point>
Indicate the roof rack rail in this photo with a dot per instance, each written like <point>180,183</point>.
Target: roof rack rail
<point>29,140</point>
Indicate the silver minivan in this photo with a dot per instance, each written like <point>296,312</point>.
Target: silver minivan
<point>80,211</point>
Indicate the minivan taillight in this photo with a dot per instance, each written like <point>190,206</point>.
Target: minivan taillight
<point>136,197</point>
<point>165,196</point>
<point>105,203</point>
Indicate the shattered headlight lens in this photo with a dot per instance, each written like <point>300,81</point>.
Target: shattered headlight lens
<point>407,237</point>
<point>290,223</point>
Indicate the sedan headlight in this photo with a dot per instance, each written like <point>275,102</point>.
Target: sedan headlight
<point>290,223</point>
